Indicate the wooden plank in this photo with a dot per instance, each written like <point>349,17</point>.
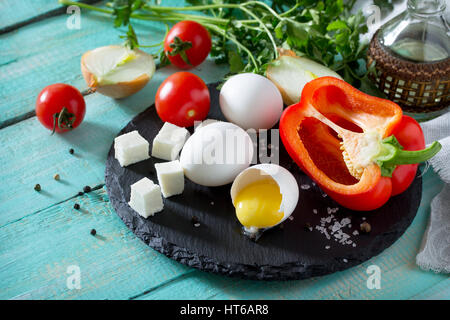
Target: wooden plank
<point>36,252</point>
<point>400,277</point>
<point>440,291</point>
<point>30,155</point>
<point>16,14</point>
<point>47,52</point>
<point>13,12</point>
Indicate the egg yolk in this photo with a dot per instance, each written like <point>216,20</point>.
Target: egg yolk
<point>258,204</point>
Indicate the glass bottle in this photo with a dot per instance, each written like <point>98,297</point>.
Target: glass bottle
<point>412,59</point>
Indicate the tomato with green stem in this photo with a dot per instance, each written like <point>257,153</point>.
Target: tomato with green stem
<point>182,99</point>
<point>187,44</point>
<point>60,107</point>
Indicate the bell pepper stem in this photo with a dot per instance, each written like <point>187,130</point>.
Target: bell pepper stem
<point>411,157</point>
<point>393,155</point>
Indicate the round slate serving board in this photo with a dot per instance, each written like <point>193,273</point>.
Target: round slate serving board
<point>297,249</point>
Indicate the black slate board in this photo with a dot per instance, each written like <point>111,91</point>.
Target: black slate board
<point>291,251</point>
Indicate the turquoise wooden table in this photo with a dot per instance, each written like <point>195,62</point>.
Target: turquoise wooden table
<point>44,242</point>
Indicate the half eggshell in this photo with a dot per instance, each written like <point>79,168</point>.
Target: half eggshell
<point>285,180</point>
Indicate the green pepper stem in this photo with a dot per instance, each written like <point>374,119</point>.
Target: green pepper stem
<point>392,155</point>
<point>410,157</point>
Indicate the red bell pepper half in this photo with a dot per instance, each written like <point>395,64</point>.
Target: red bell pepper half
<point>360,149</point>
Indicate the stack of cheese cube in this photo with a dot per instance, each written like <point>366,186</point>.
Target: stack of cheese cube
<point>131,147</point>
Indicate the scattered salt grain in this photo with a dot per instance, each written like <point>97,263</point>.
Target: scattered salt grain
<point>332,210</point>
<point>327,247</point>
<point>345,260</point>
<point>305,186</point>
<point>315,211</point>
<point>332,228</point>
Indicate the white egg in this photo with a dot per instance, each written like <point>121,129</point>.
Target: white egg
<point>284,179</point>
<point>215,154</point>
<point>251,101</point>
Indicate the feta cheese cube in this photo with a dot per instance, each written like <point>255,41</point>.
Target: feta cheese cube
<point>169,141</point>
<point>146,198</point>
<point>170,177</point>
<point>130,148</point>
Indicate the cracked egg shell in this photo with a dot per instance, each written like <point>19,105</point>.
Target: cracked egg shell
<point>284,179</point>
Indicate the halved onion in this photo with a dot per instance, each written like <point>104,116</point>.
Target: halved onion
<point>290,74</point>
<point>117,71</point>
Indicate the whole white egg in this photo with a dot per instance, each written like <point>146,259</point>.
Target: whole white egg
<point>216,153</point>
<point>251,101</point>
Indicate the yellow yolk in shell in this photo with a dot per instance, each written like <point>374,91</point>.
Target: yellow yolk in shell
<point>258,204</point>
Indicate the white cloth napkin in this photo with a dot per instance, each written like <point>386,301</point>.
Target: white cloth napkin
<point>434,253</point>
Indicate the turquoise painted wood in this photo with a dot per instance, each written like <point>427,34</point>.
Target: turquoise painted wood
<point>47,52</point>
<point>41,235</point>
<point>13,12</point>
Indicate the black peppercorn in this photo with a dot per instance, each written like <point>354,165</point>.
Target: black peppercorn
<point>93,232</point>
<point>37,187</point>
<point>80,193</point>
<point>71,151</point>
<point>365,227</point>
<point>87,189</point>
<point>76,206</point>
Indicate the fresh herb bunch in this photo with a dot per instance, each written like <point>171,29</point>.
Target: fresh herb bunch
<point>247,35</point>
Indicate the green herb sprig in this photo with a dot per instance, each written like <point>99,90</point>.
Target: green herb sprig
<point>247,35</point>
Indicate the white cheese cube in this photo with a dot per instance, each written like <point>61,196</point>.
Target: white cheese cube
<point>169,141</point>
<point>146,197</point>
<point>170,177</point>
<point>130,148</point>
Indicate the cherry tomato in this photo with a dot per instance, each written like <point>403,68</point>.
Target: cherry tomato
<point>182,99</point>
<point>409,134</point>
<point>187,44</point>
<point>60,107</point>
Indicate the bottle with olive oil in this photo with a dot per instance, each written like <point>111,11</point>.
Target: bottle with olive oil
<point>409,59</point>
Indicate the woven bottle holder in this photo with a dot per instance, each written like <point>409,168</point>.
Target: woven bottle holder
<point>416,87</point>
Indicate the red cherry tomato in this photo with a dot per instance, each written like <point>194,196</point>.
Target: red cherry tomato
<point>409,134</point>
<point>60,107</point>
<point>194,47</point>
<point>182,99</point>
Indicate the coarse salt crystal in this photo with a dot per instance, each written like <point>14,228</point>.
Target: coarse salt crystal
<point>305,186</point>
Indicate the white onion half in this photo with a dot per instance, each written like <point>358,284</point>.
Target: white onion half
<point>117,71</point>
<point>291,73</point>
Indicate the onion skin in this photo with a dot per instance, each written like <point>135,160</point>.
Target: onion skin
<point>118,90</point>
